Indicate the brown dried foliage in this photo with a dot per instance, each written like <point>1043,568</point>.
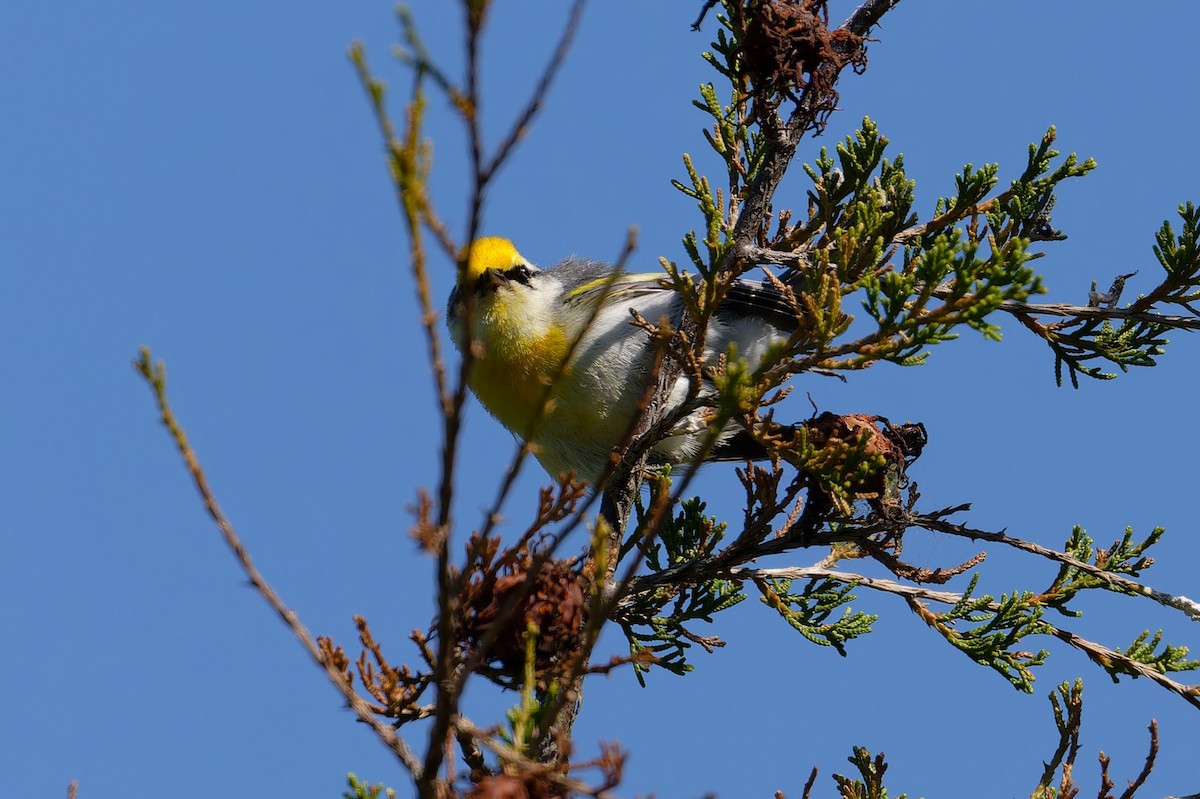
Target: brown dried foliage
<point>893,447</point>
<point>397,689</point>
<point>766,500</point>
<point>502,607</point>
<point>888,554</point>
<point>886,442</point>
<point>790,52</point>
<point>512,786</point>
<point>524,780</point>
<point>424,531</point>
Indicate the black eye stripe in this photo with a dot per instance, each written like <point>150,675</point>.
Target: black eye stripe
<point>519,273</point>
<point>490,280</point>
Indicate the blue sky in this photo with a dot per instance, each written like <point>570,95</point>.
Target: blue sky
<point>206,179</point>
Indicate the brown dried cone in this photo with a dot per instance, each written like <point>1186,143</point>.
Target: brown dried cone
<point>508,786</point>
<point>788,49</point>
<point>889,448</point>
<point>555,604</point>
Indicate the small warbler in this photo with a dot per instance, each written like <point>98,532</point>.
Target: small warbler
<point>526,319</point>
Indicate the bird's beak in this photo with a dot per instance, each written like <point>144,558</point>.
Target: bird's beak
<point>491,280</point>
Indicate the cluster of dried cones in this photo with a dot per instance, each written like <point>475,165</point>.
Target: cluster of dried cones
<point>790,51</point>
<point>500,611</point>
<point>511,786</point>
<point>852,457</point>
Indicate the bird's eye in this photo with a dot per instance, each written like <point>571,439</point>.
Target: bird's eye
<point>519,273</point>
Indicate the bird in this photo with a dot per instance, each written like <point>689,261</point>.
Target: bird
<point>570,326</point>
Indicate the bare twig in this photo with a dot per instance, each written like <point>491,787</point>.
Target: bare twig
<point>1180,603</point>
<point>450,584</point>
<point>916,232</point>
<point>808,786</point>
<point>551,70</point>
<point>1105,657</point>
<point>1101,655</point>
<point>817,573</point>
<point>410,192</point>
<point>560,371</point>
<point>479,652</point>
<point>549,771</point>
<point>1088,312</point>
<point>1147,767</point>
<point>782,138</point>
<point>156,376</point>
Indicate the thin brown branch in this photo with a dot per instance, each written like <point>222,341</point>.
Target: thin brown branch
<point>621,481</point>
<point>912,234</point>
<point>563,707</point>
<point>405,170</point>
<point>1105,657</point>
<point>1087,312</point>
<point>782,138</point>
<point>472,755</point>
<point>525,448</point>
<point>1147,766</point>
<point>410,187</point>
<point>553,67</point>
<point>1180,603</point>
<point>1101,655</point>
<point>800,259</point>
<point>808,786</point>
<point>1091,312</point>
<point>550,772</point>
<point>156,376</point>
<point>817,573</point>
<point>868,15</point>
<point>479,652</point>
<point>448,586</point>
<point>800,534</point>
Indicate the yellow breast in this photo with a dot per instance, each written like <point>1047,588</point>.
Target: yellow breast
<point>512,374</point>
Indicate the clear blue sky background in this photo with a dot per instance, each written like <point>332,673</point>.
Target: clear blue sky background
<point>207,179</point>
